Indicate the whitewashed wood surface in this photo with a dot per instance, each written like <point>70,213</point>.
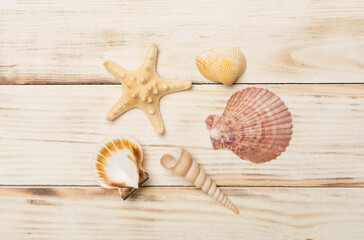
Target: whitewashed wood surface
<point>178,213</point>
<point>284,41</point>
<point>48,135</point>
<point>310,53</point>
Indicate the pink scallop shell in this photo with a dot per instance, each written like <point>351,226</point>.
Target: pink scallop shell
<point>256,125</point>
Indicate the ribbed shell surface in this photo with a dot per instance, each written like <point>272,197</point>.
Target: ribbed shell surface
<point>256,125</point>
<point>223,65</point>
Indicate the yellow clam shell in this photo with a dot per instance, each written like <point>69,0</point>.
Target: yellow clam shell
<point>222,65</point>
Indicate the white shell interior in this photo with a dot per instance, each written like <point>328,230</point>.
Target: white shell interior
<point>119,168</point>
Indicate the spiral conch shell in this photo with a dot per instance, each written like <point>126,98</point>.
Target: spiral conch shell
<point>181,162</point>
<point>223,65</point>
<point>118,165</point>
<point>256,125</point>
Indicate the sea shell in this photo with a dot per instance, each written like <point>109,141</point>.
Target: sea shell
<point>180,161</point>
<point>117,164</point>
<point>256,125</point>
<point>223,65</point>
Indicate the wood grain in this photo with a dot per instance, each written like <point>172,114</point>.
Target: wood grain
<point>284,42</point>
<point>169,213</point>
<point>48,135</point>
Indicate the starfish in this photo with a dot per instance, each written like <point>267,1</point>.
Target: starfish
<point>143,89</point>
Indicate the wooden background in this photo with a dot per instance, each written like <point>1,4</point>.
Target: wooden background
<point>54,95</point>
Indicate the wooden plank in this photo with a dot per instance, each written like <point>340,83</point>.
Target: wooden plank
<point>169,213</point>
<point>48,135</point>
<point>284,42</point>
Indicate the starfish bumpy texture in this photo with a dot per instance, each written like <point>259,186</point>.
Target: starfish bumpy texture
<point>143,89</point>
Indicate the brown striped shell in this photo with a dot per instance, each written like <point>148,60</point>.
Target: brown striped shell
<point>117,164</point>
<point>180,161</point>
<point>256,125</point>
<point>223,65</point>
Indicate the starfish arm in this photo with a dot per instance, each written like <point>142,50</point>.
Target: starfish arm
<point>117,71</point>
<point>176,86</point>
<point>150,60</point>
<point>118,109</point>
<point>155,118</point>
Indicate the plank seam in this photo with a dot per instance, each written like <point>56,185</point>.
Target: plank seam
<point>196,84</point>
<point>179,186</point>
